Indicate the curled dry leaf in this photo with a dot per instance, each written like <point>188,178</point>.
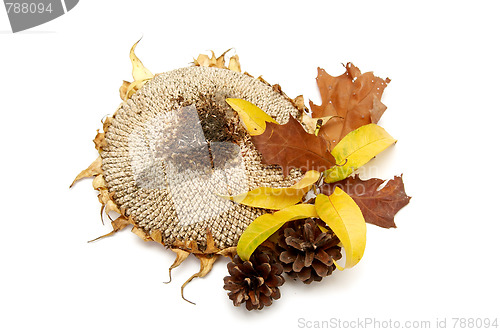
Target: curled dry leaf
<point>211,247</point>
<point>379,206</point>
<point>134,87</point>
<point>155,234</point>
<point>106,123</point>
<point>141,233</point>
<point>98,183</point>
<point>290,146</point>
<point>207,258</point>
<point>99,141</point>
<point>106,199</point>
<point>234,64</point>
<point>277,198</point>
<point>354,99</point>
<point>228,252</point>
<point>299,103</point>
<point>104,196</point>
<point>192,246</point>
<point>118,224</point>
<point>123,90</point>
<point>140,74</point>
<point>312,125</point>
<point>206,264</point>
<point>181,256</point>
<point>204,60</point>
<point>93,170</point>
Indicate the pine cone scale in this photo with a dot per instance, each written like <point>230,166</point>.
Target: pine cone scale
<point>323,257</point>
<point>308,258</point>
<point>260,281</point>
<point>235,270</point>
<point>277,270</point>
<point>321,269</point>
<point>276,292</point>
<point>275,281</point>
<point>299,263</point>
<point>247,268</point>
<point>334,253</point>
<point>305,274</point>
<point>253,298</point>
<point>287,257</point>
<point>265,290</point>
<point>264,269</point>
<point>322,240</point>
<point>294,242</point>
<point>266,300</point>
<point>309,233</point>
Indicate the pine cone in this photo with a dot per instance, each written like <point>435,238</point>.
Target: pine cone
<point>254,281</point>
<point>308,253</point>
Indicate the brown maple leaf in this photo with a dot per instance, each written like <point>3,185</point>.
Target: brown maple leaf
<point>353,99</point>
<point>378,206</point>
<point>290,146</point>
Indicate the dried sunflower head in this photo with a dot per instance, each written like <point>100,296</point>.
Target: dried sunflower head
<point>175,146</point>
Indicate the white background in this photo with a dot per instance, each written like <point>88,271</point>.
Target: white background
<point>58,80</point>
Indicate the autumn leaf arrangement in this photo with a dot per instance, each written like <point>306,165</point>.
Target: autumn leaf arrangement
<point>327,209</point>
<point>304,231</point>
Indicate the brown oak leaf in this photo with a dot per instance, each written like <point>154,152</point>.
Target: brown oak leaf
<point>378,206</point>
<point>353,99</point>
<point>290,146</point>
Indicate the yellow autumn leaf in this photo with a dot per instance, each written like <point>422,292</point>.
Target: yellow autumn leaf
<point>356,149</point>
<point>277,198</point>
<point>323,229</point>
<point>265,225</point>
<point>253,117</point>
<point>343,216</point>
<point>139,72</point>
